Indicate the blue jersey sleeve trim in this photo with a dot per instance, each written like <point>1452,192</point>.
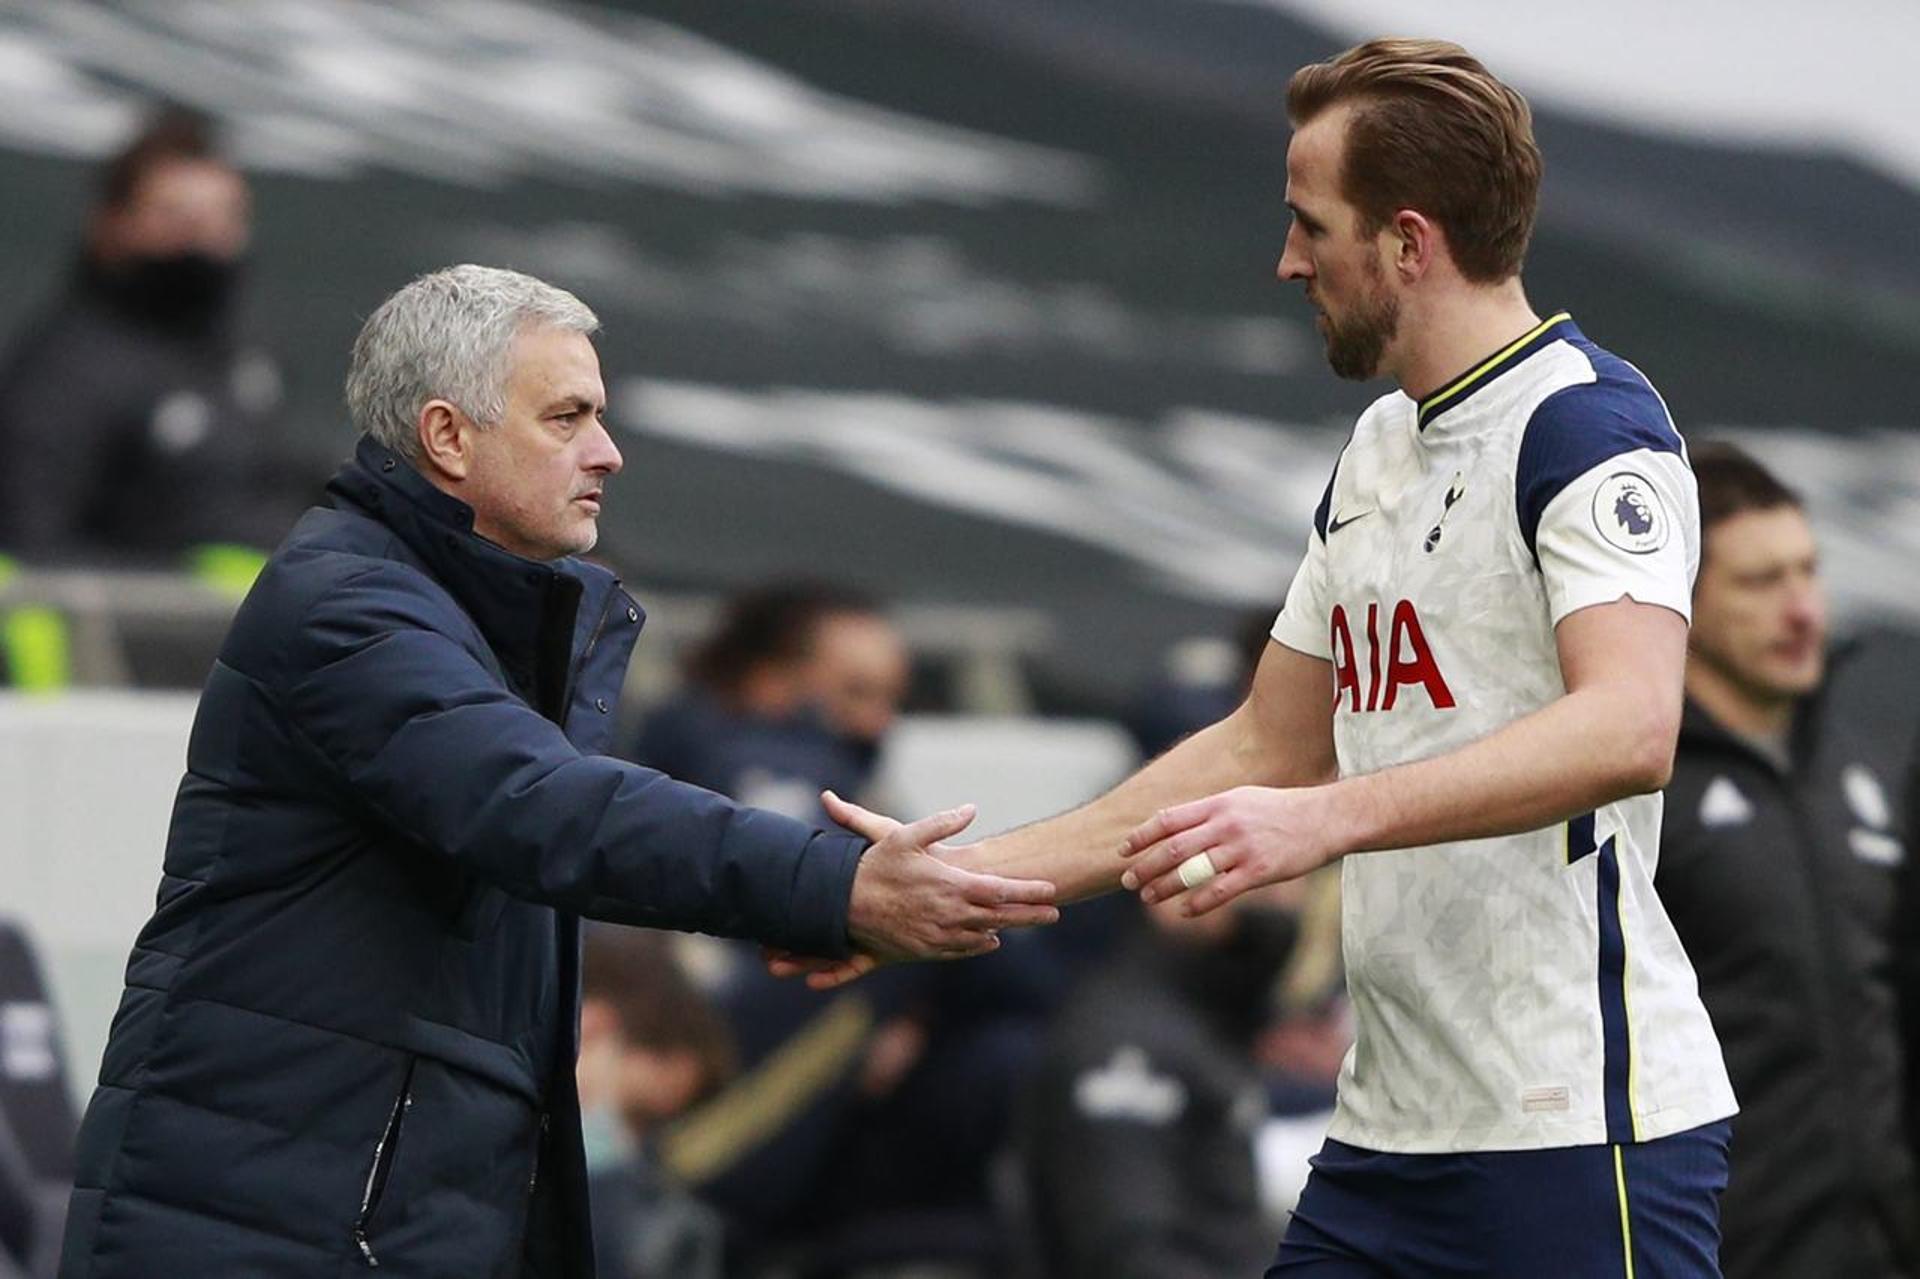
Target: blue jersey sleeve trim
<point>1580,840</point>
<point>1575,429</point>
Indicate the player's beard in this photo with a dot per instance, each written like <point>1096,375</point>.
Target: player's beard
<point>1358,342</point>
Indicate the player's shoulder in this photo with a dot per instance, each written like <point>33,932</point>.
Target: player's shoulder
<point>338,581</point>
<point>1590,408</point>
<point>1589,399</point>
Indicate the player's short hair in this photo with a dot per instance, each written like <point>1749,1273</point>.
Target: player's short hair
<point>1434,131</point>
<point>776,623</point>
<point>657,1005</point>
<point>1732,483</point>
<point>446,336</point>
<point>174,135</point>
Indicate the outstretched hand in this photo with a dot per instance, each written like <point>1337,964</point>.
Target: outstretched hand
<point>1249,836</point>
<point>910,903</point>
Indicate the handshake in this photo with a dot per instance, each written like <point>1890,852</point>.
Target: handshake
<point>917,898</point>
<point>911,900</point>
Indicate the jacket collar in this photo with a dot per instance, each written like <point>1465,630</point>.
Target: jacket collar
<point>1700,730</point>
<point>525,608</point>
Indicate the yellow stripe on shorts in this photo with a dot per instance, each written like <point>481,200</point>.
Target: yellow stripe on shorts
<point>1626,1226</point>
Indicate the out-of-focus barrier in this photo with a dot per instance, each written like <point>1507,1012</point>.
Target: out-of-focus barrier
<point>125,626</point>
<point>153,629</point>
<point>1016,770</point>
<point>87,780</point>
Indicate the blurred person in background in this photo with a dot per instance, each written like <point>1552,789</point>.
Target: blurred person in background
<point>1783,836</point>
<point>1140,1130</point>
<point>349,1031</point>
<point>861,1131</point>
<point>36,1110</point>
<point>792,694</point>
<point>24,1221</point>
<point>862,1134</point>
<point>1202,680</point>
<point>135,412</point>
<point>650,1047</point>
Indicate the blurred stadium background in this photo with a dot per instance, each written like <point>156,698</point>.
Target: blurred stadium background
<point>968,304</point>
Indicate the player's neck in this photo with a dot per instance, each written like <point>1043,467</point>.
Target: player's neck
<point>1454,331</point>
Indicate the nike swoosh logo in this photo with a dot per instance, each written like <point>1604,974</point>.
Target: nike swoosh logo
<point>1337,523</point>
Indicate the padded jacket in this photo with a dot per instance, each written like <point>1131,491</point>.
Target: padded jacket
<point>348,1032</point>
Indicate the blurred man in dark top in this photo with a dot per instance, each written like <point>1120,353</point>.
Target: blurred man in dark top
<point>860,1134</point>
<point>1140,1129</point>
<point>650,1047</point>
<point>133,411</point>
<point>1202,679</point>
<point>791,694</point>
<point>1784,830</point>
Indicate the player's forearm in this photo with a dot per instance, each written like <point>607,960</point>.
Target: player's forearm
<point>1079,852</point>
<point>1589,748</point>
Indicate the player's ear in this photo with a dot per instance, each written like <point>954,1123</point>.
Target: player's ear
<point>444,439</point>
<point>1416,239</point>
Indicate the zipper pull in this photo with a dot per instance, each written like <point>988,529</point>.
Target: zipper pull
<point>366,1249</point>
<point>539,1144</point>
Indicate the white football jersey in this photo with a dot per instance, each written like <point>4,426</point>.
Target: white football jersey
<point>1526,991</point>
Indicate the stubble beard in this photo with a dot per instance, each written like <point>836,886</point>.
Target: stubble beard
<point>1357,344</point>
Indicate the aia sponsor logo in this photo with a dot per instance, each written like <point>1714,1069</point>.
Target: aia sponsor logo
<point>1370,676</point>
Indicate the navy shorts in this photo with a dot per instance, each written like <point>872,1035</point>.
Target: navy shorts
<point>1644,1211</point>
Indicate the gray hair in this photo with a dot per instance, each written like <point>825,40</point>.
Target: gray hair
<point>446,336</point>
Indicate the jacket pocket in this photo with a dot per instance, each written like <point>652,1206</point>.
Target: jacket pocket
<point>380,1171</point>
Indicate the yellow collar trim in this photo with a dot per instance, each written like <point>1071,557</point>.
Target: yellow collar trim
<point>1433,403</point>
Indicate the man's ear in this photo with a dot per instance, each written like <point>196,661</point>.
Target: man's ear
<point>446,439</point>
<point>1416,242</point>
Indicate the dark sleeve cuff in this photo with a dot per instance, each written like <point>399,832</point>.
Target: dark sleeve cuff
<point>822,892</point>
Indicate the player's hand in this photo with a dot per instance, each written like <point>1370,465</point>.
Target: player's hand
<point>1252,835</point>
<point>910,903</point>
<point>821,974</point>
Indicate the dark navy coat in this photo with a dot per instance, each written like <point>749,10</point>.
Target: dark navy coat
<point>348,1033</point>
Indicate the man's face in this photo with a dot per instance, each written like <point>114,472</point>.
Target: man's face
<point>1759,610</point>
<point>640,1084</point>
<point>179,207</point>
<point>859,668</point>
<point>536,476</point>
<point>1356,312</point>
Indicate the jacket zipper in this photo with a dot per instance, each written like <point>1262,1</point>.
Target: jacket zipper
<point>593,641</point>
<point>377,1175</point>
<point>539,1143</point>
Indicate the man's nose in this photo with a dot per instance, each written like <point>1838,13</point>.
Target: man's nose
<point>1293,264</point>
<point>605,455</point>
<point>1805,604</point>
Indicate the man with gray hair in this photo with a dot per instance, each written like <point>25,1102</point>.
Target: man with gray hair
<point>348,1034</point>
